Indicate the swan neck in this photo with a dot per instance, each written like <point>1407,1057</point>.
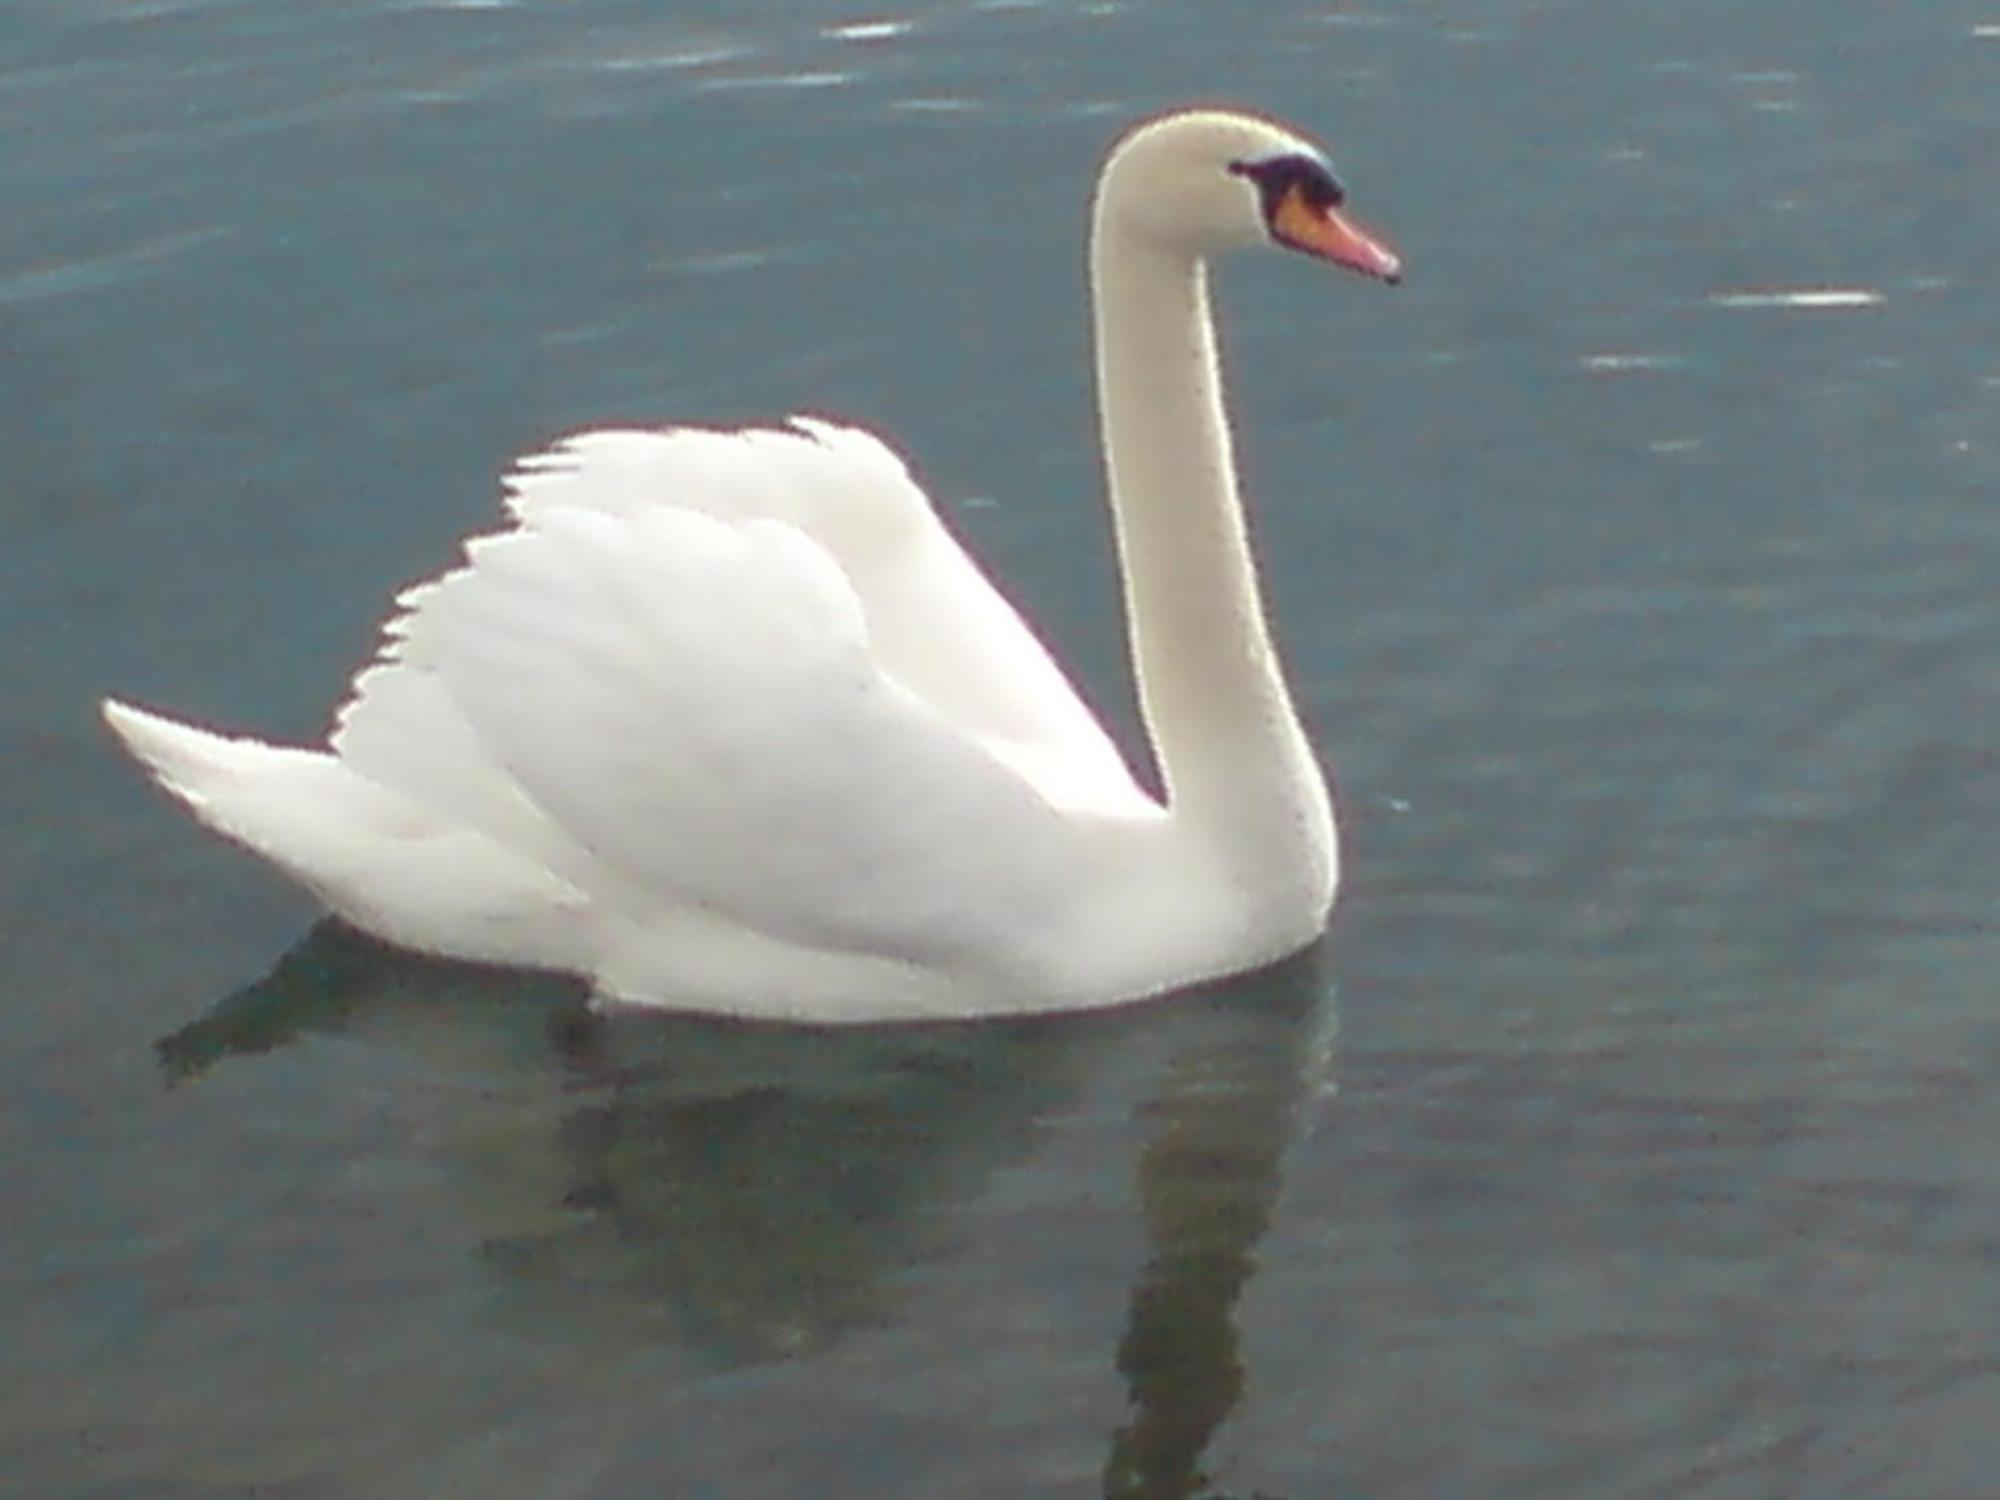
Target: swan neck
<point>1237,766</point>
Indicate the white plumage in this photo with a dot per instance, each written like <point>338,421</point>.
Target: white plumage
<point>730,721</point>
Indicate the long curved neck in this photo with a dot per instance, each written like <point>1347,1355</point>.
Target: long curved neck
<point>1239,772</point>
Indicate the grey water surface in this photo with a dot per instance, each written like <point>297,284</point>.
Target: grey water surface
<point>1633,1134</point>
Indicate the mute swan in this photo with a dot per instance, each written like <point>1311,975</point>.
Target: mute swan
<point>728,721</point>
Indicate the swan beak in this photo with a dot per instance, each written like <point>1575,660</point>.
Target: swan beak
<point>1326,233</point>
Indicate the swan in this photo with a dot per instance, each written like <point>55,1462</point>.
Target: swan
<point>729,721</point>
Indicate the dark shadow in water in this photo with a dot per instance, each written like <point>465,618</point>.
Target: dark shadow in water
<point>335,973</point>
<point>1216,1129</point>
<point>755,1193</point>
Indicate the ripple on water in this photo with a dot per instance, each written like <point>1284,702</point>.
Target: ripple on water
<point>1355,20</point>
<point>804,78</point>
<point>93,273</point>
<point>678,60</point>
<point>1809,299</point>
<point>722,262</point>
<point>937,105</point>
<point>1613,362</point>
<point>867,31</point>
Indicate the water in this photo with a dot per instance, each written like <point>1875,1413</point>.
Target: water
<point>1631,1135</point>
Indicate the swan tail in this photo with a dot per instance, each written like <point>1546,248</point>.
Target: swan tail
<point>383,861</point>
<point>197,767</point>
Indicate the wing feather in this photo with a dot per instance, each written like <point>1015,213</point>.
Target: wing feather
<point>697,705</point>
<point>751,671</point>
<point>936,622</point>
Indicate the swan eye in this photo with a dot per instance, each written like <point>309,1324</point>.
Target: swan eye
<point>1292,175</point>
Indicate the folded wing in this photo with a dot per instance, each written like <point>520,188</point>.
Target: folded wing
<point>749,674</point>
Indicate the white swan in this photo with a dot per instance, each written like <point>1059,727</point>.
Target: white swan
<point>728,721</point>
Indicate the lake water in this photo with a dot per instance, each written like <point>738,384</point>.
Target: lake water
<point>1633,1135</point>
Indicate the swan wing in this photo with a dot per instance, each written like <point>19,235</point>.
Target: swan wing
<point>935,621</point>
<point>694,708</point>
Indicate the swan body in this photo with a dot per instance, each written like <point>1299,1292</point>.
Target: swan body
<point>729,721</point>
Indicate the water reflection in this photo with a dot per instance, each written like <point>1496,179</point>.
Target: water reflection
<point>1214,1135</point>
<point>750,1193</point>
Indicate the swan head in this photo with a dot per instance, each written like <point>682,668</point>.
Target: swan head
<point>1201,182</point>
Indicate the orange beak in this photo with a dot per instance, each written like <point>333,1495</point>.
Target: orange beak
<point>1329,235</point>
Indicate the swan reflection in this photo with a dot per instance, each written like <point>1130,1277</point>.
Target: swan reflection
<point>749,1194</point>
